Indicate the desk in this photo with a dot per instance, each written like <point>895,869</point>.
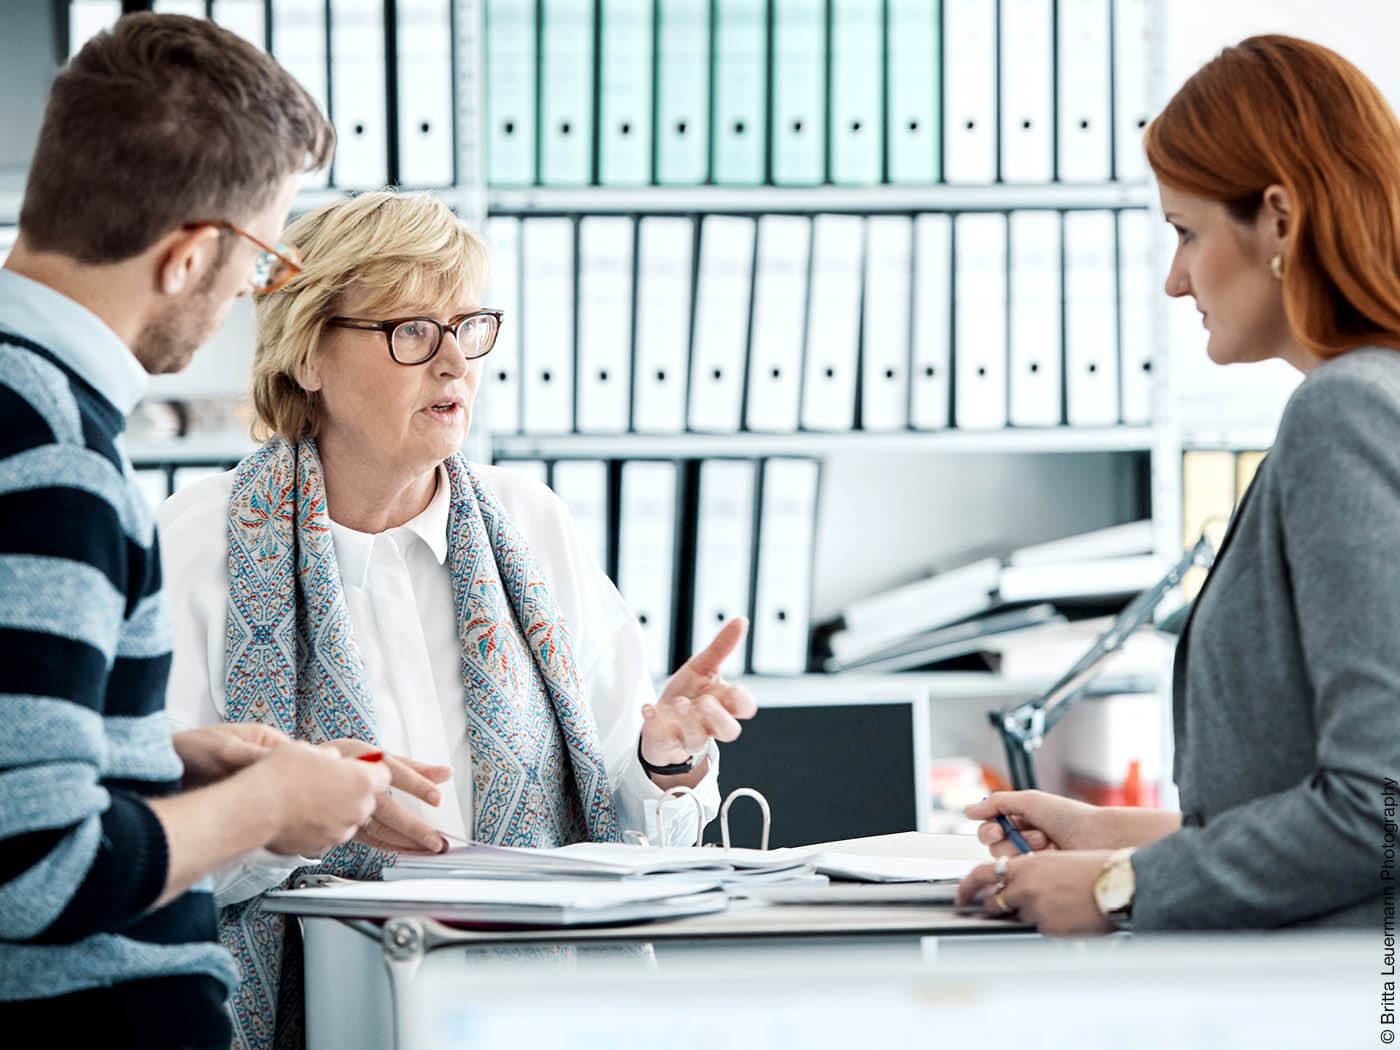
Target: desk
<point>390,964</point>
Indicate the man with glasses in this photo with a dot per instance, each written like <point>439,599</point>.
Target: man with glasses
<point>166,166</point>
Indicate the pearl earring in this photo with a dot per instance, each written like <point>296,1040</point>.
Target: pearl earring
<point>1276,266</point>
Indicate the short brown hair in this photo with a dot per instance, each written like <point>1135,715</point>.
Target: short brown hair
<point>159,121</point>
<point>1280,110</point>
<point>401,251</point>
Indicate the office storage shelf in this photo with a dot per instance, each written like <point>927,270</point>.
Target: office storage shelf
<point>595,200</point>
<point>809,443</point>
<point>1229,439</point>
<point>211,449</point>
<point>808,690</point>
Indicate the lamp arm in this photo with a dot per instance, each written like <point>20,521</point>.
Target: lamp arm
<point>1024,726</point>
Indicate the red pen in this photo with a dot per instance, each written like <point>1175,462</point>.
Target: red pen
<point>371,756</point>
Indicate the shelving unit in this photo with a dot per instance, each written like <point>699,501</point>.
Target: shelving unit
<point>1123,455</point>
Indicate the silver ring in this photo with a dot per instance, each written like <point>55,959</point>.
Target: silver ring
<point>999,868</point>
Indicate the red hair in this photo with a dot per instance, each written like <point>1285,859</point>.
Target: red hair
<point>1276,110</point>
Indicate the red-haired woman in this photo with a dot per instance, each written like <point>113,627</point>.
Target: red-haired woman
<point>1279,167</point>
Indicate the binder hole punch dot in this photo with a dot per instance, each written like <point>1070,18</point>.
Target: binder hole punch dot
<point>1035,367</point>
<point>981,371</point>
<point>509,127</point>
<point>930,371</point>
<point>782,614</point>
<point>971,125</point>
<point>565,128</point>
<point>1025,125</point>
<point>425,127</point>
<point>913,125</point>
<point>661,375</point>
<point>682,127</point>
<point>1147,366</point>
<point>777,373</point>
<point>626,128</point>
<point>797,127</point>
<point>855,125</point>
<point>830,372</point>
<point>546,376</point>
<point>359,129</point>
<point>757,796</point>
<point>603,375</point>
<point>642,618</point>
<point>738,127</point>
<point>718,374</point>
<point>1093,367</point>
<point>1083,125</point>
<point>502,376</point>
<point>889,373</point>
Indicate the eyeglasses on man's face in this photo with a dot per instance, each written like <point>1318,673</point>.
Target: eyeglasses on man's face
<point>415,340</point>
<point>273,267</point>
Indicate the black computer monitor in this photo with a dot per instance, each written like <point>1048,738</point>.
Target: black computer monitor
<point>834,771</point>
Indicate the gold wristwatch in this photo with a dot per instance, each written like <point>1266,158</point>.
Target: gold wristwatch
<point>1113,889</point>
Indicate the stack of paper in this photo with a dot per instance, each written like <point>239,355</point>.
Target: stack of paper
<point>963,611</point>
<point>600,860</point>
<point>735,868</point>
<point>535,902</point>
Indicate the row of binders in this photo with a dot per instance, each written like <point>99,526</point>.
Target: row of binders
<point>693,544</point>
<point>802,92</point>
<point>347,54</point>
<point>664,324</point>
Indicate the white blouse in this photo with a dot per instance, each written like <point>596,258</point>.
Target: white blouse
<point>399,593</point>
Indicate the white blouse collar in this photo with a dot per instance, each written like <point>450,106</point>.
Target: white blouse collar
<point>353,550</point>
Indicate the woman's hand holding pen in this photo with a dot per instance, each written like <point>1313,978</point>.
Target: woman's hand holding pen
<point>1044,820</point>
<point>1049,821</point>
<point>393,827</point>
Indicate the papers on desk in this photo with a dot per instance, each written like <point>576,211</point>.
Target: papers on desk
<point>735,868</point>
<point>604,860</point>
<point>524,902</point>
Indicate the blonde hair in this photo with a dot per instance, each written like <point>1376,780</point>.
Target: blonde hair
<point>403,250</point>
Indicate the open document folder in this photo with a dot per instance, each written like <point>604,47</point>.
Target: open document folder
<point>734,867</point>
<point>532,902</point>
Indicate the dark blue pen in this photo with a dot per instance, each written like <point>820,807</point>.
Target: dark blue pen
<point>1017,839</point>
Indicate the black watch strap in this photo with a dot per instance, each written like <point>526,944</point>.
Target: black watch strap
<point>676,769</point>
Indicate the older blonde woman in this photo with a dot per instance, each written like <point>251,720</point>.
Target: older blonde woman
<point>356,580</point>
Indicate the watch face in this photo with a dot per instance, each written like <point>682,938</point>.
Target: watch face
<point>1114,889</point>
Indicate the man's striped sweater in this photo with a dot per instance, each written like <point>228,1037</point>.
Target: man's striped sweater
<point>84,657</point>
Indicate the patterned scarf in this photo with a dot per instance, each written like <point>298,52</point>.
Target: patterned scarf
<point>291,662</point>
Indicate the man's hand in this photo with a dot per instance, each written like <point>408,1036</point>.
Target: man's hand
<point>215,752</point>
<point>696,706</point>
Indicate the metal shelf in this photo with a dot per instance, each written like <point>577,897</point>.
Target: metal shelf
<point>728,199</point>
<point>671,446</point>
<point>211,448</point>
<point>688,199</point>
<point>1246,438</point>
<point>947,686</point>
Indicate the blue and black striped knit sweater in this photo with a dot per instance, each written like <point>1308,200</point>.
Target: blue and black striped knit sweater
<point>84,741</point>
